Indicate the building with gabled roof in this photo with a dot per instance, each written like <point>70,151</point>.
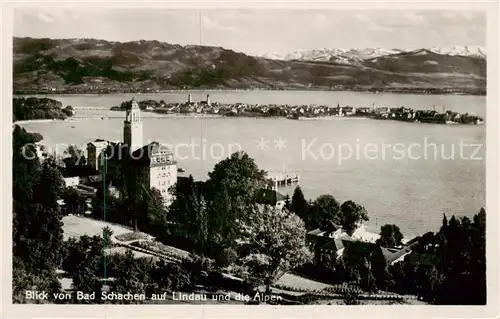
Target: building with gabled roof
<point>334,246</point>
<point>358,250</point>
<point>270,197</point>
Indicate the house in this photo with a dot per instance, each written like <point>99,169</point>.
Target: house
<point>82,173</point>
<point>85,190</point>
<point>271,197</point>
<point>71,181</point>
<point>317,235</point>
<point>364,110</point>
<point>333,246</point>
<point>348,110</point>
<point>382,110</point>
<point>339,111</point>
<point>328,241</point>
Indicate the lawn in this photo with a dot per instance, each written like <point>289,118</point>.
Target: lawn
<point>75,226</point>
<point>123,250</point>
<point>290,280</point>
<point>163,249</point>
<point>131,236</point>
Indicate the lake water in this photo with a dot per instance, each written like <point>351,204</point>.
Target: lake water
<point>403,173</point>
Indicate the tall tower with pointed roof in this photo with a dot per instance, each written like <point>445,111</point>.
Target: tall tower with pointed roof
<point>132,127</point>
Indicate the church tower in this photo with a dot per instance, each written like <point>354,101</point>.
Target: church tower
<point>132,126</point>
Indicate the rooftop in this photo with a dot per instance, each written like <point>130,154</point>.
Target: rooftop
<point>269,196</point>
<point>144,154</point>
<point>336,243</point>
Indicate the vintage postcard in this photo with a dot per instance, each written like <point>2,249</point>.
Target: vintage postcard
<point>240,156</point>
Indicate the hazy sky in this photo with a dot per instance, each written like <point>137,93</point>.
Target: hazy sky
<point>260,31</point>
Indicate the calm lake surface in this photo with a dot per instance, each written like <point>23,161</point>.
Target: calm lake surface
<point>403,173</point>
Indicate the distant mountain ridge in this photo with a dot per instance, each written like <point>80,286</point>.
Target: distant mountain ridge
<point>92,65</point>
<point>352,55</point>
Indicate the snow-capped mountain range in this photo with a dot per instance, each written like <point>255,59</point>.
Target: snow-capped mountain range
<point>353,55</point>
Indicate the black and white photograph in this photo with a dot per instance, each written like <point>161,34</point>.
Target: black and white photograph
<point>249,156</point>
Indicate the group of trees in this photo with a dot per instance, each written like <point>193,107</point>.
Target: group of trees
<point>326,209</point>
<point>33,108</point>
<point>220,219</point>
<point>449,266</point>
<point>37,228</point>
<point>74,156</point>
<point>90,268</point>
<point>39,250</point>
<point>446,267</point>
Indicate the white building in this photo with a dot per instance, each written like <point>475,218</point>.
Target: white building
<point>154,166</point>
<point>71,181</point>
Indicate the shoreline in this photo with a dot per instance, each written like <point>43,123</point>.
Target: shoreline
<point>416,91</point>
<point>35,121</point>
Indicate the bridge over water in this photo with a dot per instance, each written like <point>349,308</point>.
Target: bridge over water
<point>93,116</point>
<point>92,108</point>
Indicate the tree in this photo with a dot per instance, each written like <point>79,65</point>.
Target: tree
<point>75,203</point>
<point>154,213</point>
<point>325,209</point>
<point>76,157</point>
<point>288,202</point>
<point>51,184</point>
<point>351,298</point>
<point>390,236</point>
<point>39,233</point>
<point>37,226</point>
<point>37,108</point>
<point>351,214</point>
<point>106,234</point>
<point>299,205</point>
<point>240,175</point>
<point>132,274</point>
<point>182,209</point>
<point>444,224</point>
<point>84,257</point>
<point>273,242</point>
<point>221,222</point>
<point>201,234</point>
<point>453,271</point>
<point>170,276</point>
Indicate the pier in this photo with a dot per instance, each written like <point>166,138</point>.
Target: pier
<point>282,179</point>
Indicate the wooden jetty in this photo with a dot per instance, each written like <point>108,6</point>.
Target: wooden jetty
<point>282,179</point>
